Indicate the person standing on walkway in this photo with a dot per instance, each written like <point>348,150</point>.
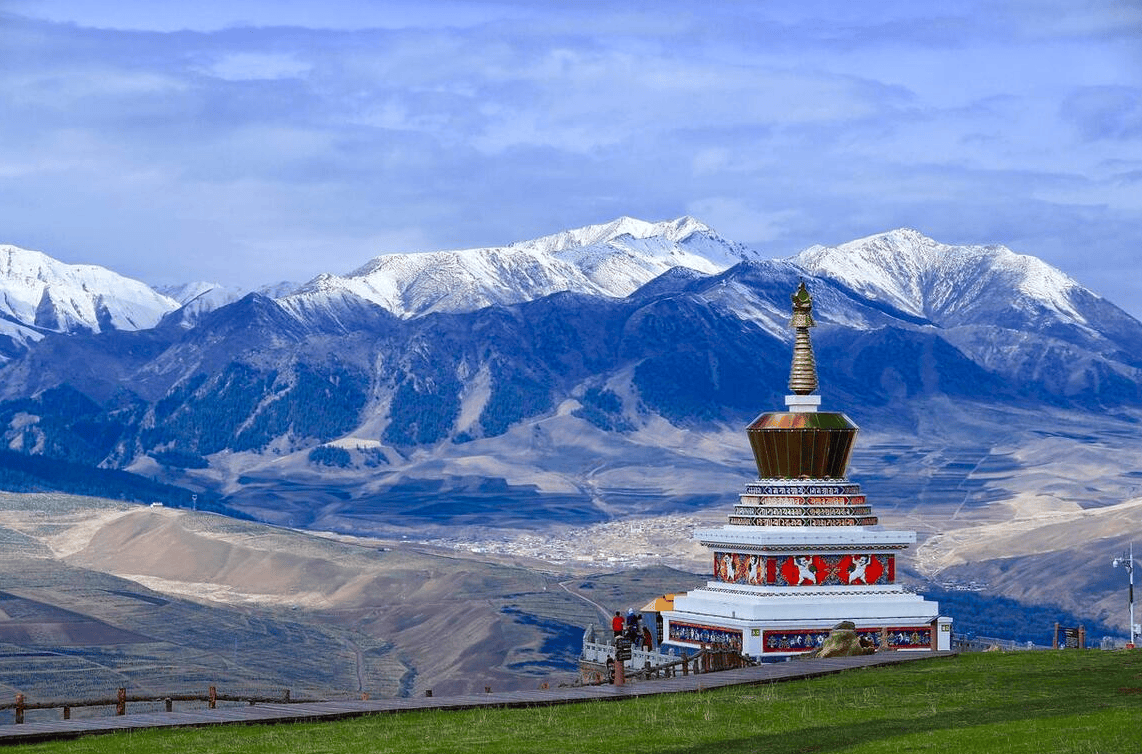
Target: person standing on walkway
<point>617,624</point>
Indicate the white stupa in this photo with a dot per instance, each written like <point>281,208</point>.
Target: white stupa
<point>802,551</point>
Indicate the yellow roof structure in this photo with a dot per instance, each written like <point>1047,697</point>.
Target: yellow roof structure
<point>658,604</point>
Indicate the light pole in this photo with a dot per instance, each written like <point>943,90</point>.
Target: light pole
<point>1127,562</point>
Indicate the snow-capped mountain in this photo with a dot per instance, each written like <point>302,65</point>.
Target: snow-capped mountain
<point>207,296</point>
<point>695,341</point>
<point>942,283</point>
<point>198,299</point>
<point>612,379</point>
<point>612,259</point>
<point>684,242</point>
<point>200,290</point>
<point>41,294</point>
<point>987,301</point>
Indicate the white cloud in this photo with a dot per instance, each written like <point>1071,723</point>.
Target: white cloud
<point>242,66</point>
<point>462,123</point>
<point>71,88</point>
<point>216,15</point>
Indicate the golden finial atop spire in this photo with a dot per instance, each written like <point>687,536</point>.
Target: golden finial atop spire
<point>802,308</point>
<point>803,374</point>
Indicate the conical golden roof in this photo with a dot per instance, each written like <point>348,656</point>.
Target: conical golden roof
<point>803,443</point>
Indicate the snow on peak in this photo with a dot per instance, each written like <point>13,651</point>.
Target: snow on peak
<point>199,290</point>
<point>929,279</point>
<point>591,235</point>
<point>611,259</point>
<point>42,293</point>
<point>199,298</point>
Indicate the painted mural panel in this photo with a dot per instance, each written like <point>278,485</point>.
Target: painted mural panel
<point>808,570</point>
<point>804,570</point>
<point>860,569</point>
<point>807,640</point>
<point>698,633</point>
<point>817,570</point>
<point>739,568</point>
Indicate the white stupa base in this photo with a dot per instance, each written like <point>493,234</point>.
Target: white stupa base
<point>778,622</point>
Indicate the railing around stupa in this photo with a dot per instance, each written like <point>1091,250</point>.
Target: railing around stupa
<point>597,660</point>
<point>598,650</point>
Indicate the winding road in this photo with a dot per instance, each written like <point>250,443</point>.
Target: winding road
<point>606,615</point>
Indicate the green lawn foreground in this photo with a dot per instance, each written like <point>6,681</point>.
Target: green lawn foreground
<point>1051,701</point>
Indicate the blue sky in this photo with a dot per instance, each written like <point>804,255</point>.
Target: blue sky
<point>251,141</point>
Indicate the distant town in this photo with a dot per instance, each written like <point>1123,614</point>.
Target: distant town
<point>663,540</point>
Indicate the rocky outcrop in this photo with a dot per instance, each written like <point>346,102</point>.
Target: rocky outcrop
<point>843,641</point>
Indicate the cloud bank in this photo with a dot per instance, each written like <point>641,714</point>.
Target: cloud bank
<point>249,142</point>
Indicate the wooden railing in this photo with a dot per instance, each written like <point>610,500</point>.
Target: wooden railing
<point>121,700</point>
<point>710,658</point>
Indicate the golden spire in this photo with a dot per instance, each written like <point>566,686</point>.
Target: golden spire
<point>803,373</point>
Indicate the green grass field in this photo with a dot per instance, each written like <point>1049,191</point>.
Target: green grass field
<point>1062,701</point>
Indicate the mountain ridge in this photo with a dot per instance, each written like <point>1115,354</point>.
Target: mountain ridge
<point>939,281</point>
<point>574,407</point>
<point>993,326</point>
<point>41,294</point>
<point>915,275</point>
<point>581,430</point>
<point>611,259</point>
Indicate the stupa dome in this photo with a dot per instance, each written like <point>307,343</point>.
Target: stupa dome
<point>802,443</point>
<point>807,445</point>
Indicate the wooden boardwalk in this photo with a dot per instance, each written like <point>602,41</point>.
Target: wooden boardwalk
<point>339,710</point>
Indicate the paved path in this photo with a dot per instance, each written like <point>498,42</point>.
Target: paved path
<point>574,593</point>
<point>281,713</point>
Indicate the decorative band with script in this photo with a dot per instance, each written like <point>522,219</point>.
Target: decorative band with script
<point>758,521</point>
<point>805,640</point>
<point>776,487</point>
<point>699,633</point>
<point>773,510</point>
<point>747,499</point>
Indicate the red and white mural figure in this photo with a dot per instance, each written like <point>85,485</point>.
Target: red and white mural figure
<point>804,570</point>
<point>739,567</point>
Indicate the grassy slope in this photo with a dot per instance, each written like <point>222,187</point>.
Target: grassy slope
<point>1024,702</point>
